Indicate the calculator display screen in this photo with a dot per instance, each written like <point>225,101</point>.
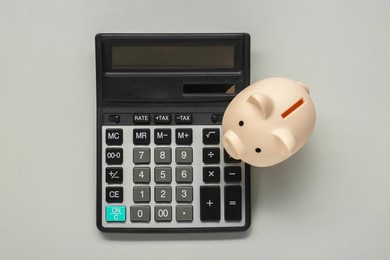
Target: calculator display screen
<point>173,56</point>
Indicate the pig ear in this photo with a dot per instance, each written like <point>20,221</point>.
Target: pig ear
<point>304,86</point>
<point>263,102</point>
<point>286,139</point>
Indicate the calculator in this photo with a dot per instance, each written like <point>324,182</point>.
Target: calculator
<point>161,165</point>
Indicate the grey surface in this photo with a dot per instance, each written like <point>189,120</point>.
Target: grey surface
<point>330,201</point>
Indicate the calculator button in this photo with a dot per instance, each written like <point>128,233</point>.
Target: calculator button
<point>184,174</point>
<point>229,159</point>
<point>232,173</point>
<point>184,213</point>
<point>115,213</point>
<point>210,207</point>
<point>233,203</point>
<point>163,213</point>
<point>114,194</point>
<point>184,136</point>
<point>184,194</point>
<point>211,136</point>
<point>114,136</point>
<point>163,175</point>
<point>162,118</point>
<point>141,194</point>
<point>140,213</point>
<point>141,136</point>
<point>211,155</point>
<point>211,174</point>
<point>114,156</point>
<point>141,155</point>
<point>141,175</point>
<point>163,194</point>
<point>141,119</point>
<point>114,118</point>
<point>162,136</point>
<point>162,155</point>
<point>114,175</point>
<point>184,155</point>
<point>183,118</point>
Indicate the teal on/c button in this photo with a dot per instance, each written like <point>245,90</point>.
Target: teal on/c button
<point>115,213</point>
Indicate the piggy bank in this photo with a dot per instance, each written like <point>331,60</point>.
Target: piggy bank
<point>268,121</point>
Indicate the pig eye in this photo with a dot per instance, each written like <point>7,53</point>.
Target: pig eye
<point>257,150</point>
<point>241,123</point>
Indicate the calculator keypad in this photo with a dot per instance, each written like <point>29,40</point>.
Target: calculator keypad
<point>170,176</point>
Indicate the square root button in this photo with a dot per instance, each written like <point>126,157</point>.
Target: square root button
<point>115,213</point>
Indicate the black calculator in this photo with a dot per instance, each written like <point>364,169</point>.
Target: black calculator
<point>161,165</point>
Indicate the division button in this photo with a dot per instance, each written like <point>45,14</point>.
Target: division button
<point>115,213</point>
<point>141,119</point>
<point>114,194</point>
<point>162,118</point>
<point>183,118</point>
<point>210,207</point>
<point>184,213</point>
<point>233,209</point>
<point>211,155</point>
<point>114,136</point>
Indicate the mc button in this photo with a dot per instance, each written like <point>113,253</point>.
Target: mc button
<point>114,136</point>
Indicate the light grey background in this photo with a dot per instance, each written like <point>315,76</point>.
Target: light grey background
<point>330,201</point>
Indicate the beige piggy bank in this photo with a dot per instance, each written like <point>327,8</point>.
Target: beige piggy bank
<point>268,121</point>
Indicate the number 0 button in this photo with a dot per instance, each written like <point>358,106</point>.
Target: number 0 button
<point>140,213</point>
